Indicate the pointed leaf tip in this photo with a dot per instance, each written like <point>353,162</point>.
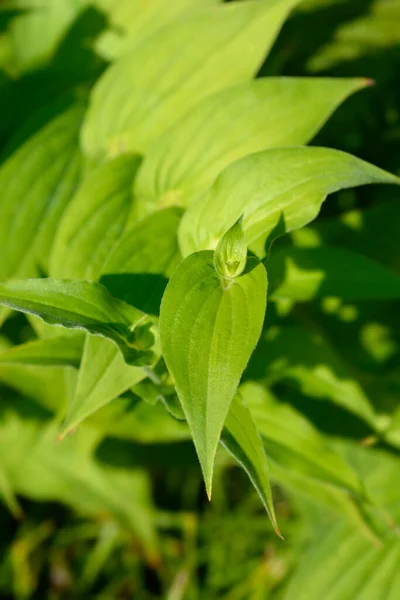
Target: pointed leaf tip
<point>208,333</point>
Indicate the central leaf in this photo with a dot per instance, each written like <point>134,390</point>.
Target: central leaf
<point>209,327</point>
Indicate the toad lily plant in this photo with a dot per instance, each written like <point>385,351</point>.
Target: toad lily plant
<point>143,218</point>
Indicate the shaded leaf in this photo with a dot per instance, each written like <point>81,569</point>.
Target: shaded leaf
<point>294,354</point>
<point>291,441</point>
<point>56,351</point>
<point>137,269</point>
<point>302,274</point>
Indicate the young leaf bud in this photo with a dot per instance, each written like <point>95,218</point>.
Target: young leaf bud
<point>231,252</point>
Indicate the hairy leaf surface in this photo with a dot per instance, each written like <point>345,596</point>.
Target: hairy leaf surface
<point>208,331</point>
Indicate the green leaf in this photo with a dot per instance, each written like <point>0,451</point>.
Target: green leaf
<point>94,220</point>
<point>277,191</point>
<point>302,274</point>
<point>294,444</point>
<point>266,113</point>
<point>137,99</point>
<point>138,19</point>
<point>61,351</point>
<point>37,182</point>
<point>304,358</point>
<point>83,305</point>
<point>209,328</point>
<point>103,376</point>
<point>40,29</point>
<point>137,269</point>
<point>241,437</point>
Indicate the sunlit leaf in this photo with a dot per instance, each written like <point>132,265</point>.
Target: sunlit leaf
<point>226,126</point>
<point>276,190</point>
<point>137,99</point>
<point>209,328</point>
<point>94,220</point>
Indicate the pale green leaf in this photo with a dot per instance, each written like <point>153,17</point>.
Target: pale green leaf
<point>76,304</point>
<point>103,376</point>
<point>94,220</point>
<point>248,118</point>
<point>37,182</point>
<point>277,190</point>
<point>241,437</point>
<point>301,274</point>
<point>150,88</point>
<point>62,351</point>
<point>209,328</point>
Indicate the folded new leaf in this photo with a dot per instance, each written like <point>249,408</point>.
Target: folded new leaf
<point>209,326</point>
<point>84,305</point>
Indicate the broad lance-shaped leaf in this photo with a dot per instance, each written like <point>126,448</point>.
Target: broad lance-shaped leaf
<point>240,436</point>
<point>103,376</point>
<point>277,191</point>
<point>256,115</point>
<point>94,220</point>
<point>84,305</point>
<point>209,327</point>
<point>302,274</point>
<point>62,351</point>
<point>37,182</point>
<point>150,88</point>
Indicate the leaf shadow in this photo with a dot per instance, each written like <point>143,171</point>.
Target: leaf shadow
<point>142,290</point>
